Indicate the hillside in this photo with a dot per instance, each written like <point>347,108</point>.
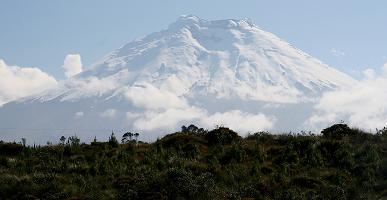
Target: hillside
<point>341,163</point>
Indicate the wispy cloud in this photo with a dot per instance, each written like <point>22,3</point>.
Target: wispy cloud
<point>337,52</point>
<point>79,114</point>
<point>109,113</point>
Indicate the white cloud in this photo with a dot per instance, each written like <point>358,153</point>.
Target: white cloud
<point>369,73</point>
<point>109,113</point>
<point>72,65</point>
<point>167,119</point>
<point>79,114</point>
<point>363,105</point>
<point>385,70</point>
<point>172,118</point>
<point>239,121</point>
<point>17,82</point>
<point>132,115</point>
<point>147,96</point>
<point>165,110</point>
<point>90,86</point>
<point>336,52</point>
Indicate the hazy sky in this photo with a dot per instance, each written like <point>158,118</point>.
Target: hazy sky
<point>346,34</point>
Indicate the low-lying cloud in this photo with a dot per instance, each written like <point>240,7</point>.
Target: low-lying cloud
<point>88,87</point>
<point>172,118</point>
<point>164,107</point>
<point>18,82</point>
<point>166,120</point>
<point>165,110</point>
<point>147,96</point>
<point>363,105</point>
<point>239,121</point>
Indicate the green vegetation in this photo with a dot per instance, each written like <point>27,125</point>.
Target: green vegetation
<point>341,163</point>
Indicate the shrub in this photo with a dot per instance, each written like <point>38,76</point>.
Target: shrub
<point>336,131</point>
<point>222,136</point>
<point>236,153</point>
<point>10,149</point>
<point>113,140</point>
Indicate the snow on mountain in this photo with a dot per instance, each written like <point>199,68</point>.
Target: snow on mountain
<point>227,58</point>
<point>223,72</point>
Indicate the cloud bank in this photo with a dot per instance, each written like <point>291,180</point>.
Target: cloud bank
<point>170,119</point>
<point>147,96</point>
<point>240,121</point>
<point>364,105</point>
<point>88,87</point>
<point>18,82</point>
<point>164,107</point>
<point>163,110</point>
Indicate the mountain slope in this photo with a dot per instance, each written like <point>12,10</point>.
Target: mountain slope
<point>226,72</point>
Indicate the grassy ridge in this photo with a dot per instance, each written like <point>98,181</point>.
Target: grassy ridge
<point>342,163</point>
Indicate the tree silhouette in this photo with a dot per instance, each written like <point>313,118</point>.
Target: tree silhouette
<point>73,140</point>
<point>136,136</point>
<point>95,139</point>
<point>113,140</point>
<point>62,140</point>
<point>126,137</point>
<point>24,141</point>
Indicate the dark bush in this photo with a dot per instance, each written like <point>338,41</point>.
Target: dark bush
<point>336,131</point>
<point>10,149</point>
<point>222,136</point>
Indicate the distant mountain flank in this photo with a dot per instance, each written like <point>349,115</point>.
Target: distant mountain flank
<point>223,72</point>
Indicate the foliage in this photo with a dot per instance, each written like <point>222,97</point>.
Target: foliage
<point>113,142</point>
<point>342,163</point>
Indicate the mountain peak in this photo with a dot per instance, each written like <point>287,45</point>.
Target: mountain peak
<point>192,20</point>
<point>186,20</point>
<point>226,58</point>
<point>189,18</point>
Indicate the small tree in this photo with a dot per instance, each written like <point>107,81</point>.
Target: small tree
<point>192,129</point>
<point>136,136</point>
<point>73,141</point>
<point>113,140</point>
<point>24,141</point>
<point>126,137</point>
<point>95,139</point>
<point>62,140</point>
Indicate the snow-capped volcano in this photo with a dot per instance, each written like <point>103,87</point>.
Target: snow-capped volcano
<point>224,72</point>
<point>226,58</point>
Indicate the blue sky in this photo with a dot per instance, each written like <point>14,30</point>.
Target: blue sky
<point>348,35</point>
